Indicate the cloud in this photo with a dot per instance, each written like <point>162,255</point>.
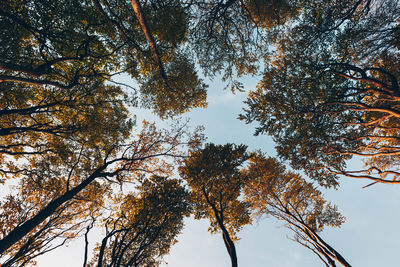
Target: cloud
<point>225,98</point>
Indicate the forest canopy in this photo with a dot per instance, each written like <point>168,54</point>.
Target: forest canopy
<point>79,159</point>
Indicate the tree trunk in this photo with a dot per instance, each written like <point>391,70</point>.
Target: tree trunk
<point>139,15</point>
<point>230,246</point>
<point>20,231</point>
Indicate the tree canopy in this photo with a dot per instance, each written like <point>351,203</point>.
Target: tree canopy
<point>145,225</point>
<point>70,143</point>
<point>330,93</point>
<point>50,193</point>
<point>69,44</point>
<point>286,196</point>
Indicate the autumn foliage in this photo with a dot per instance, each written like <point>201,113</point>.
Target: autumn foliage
<point>78,159</point>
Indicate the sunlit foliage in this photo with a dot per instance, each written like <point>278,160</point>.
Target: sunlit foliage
<point>275,192</point>
<point>143,226</point>
<point>78,191</point>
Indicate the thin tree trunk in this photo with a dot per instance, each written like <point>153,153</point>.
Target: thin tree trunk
<point>101,253</point>
<point>139,15</point>
<point>329,252</point>
<point>85,257</point>
<point>230,246</point>
<point>337,255</point>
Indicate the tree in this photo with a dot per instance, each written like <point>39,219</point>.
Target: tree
<point>334,97</point>
<point>57,65</point>
<point>144,225</point>
<point>216,183</point>
<point>286,196</point>
<point>64,224</point>
<point>57,188</point>
<point>50,44</point>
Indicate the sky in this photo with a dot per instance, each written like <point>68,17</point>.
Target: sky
<point>368,238</point>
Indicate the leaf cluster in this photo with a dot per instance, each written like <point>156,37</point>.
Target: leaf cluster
<point>216,182</point>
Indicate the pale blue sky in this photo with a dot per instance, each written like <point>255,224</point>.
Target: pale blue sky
<point>368,238</point>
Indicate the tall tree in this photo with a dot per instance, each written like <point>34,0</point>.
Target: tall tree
<point>145,224</point>
<point>215,182</point>
<point>57,188</point>
<point>334,96</point>
<point>64,224</point>
<point>286,196</point>
<point>50,44</point>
